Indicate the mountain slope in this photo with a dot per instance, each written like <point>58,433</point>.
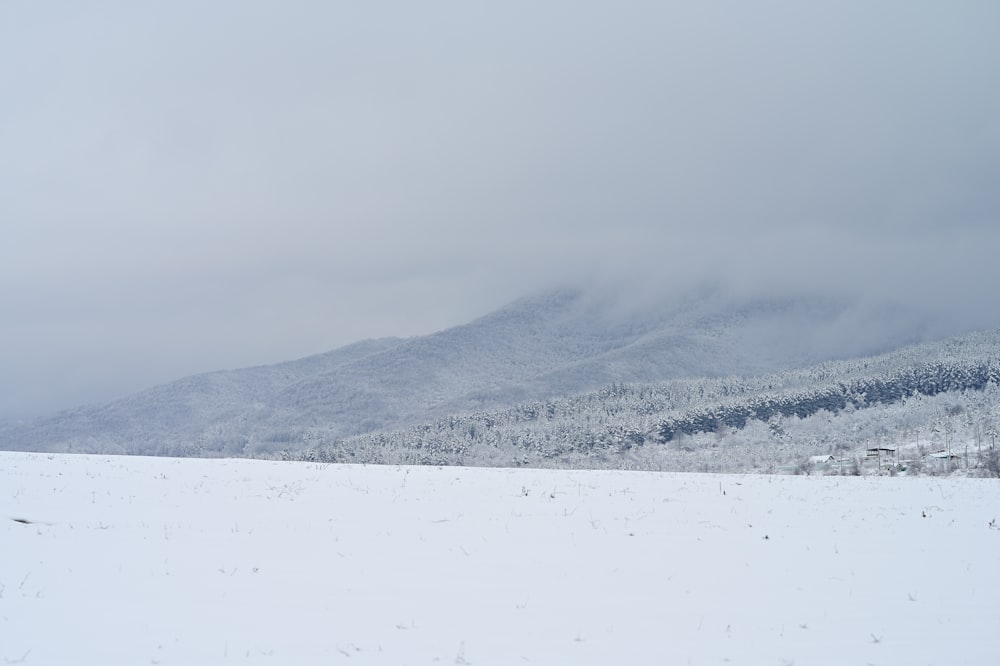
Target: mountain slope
<point>939,394</point>
<point>547,346</point>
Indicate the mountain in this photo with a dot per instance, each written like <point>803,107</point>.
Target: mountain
<point>943,395</point>
<point>555,344</point>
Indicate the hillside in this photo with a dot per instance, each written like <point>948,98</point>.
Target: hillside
<point>936,395</point>
<point>555,345</point>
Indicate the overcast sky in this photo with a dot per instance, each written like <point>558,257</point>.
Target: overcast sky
<point>189,186</point>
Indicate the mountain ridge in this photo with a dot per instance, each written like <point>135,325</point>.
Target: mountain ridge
<point>548,345</point>
<point>943,390</point>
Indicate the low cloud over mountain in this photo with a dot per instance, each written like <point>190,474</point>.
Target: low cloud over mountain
<point>553,345</point>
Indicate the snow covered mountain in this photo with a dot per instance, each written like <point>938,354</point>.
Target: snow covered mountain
<point>557,344</point>
<point>921,399</point>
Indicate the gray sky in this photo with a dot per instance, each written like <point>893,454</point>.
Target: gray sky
<point>188,186</point>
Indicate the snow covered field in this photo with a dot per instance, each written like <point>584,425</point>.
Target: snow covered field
<point>118,560</point>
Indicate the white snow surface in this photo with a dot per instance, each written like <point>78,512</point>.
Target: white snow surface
<point>129,560</point>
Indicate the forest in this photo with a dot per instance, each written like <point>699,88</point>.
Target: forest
<point>923,399</point>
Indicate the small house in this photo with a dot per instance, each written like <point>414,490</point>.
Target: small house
<point>943,455</point>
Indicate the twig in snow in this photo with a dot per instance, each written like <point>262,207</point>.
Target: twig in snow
<point>17,661</point>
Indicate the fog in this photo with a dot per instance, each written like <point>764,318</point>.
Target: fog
<point>188,187</point>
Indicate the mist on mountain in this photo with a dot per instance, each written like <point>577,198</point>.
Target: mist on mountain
<point>555,344</point>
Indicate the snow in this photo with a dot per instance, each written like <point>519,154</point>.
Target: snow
<point>127,560</point>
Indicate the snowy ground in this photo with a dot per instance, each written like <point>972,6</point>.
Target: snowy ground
<point>165,561</point>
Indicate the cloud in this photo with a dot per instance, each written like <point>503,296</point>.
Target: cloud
<point>188,187</point>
